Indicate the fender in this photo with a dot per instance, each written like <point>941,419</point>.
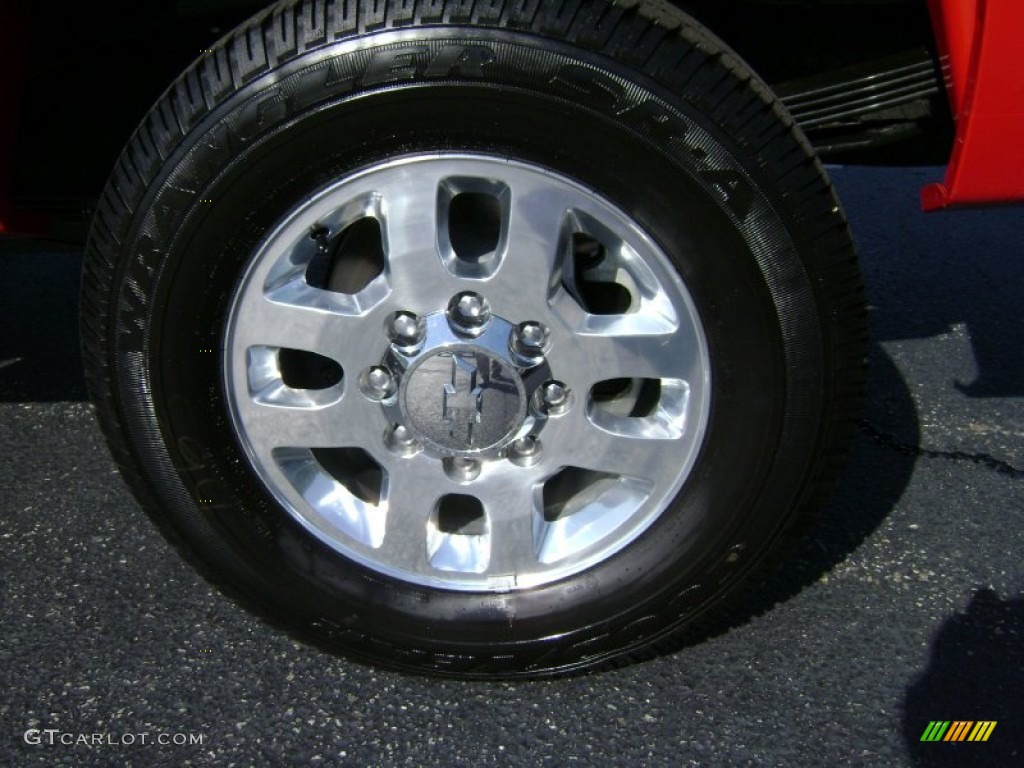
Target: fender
<point>979,44</point>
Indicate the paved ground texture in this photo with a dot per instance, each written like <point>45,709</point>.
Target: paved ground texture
<point>906,604</point>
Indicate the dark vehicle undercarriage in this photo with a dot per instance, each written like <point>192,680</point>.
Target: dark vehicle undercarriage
<point>860,76</point>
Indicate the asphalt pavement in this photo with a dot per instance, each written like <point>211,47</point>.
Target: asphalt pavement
<point>904,606</point>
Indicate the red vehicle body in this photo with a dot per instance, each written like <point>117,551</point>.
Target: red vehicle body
<point>979,41</point>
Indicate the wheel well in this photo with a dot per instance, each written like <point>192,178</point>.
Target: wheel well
<point>820,55</point>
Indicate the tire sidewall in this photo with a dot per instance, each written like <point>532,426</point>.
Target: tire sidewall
<point>683,180</point>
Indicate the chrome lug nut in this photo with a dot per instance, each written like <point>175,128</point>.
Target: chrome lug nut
<point>554,397</point>
<point>461,469</point>
<point>529,340</point>
<point>405,329</point>
<point>525,451</point>
<point>400,440</point>
<point>468,313</point>
<point>377,383</point>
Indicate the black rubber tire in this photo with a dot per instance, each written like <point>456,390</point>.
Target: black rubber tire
<point>633,99</point>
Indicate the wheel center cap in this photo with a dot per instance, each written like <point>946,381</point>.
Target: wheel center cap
<point>464,400</point>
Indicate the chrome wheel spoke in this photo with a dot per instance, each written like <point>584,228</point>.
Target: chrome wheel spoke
<point>513,513</point>
<point>632,455</point>
<point>345,423</point>
<point>411,495</point>
<point>532,242</point>
<point>298,324</point>
<point>620,352</point>
<point>410,213</point>
<point>275,426</point>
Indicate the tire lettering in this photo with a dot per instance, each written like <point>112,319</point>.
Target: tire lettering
<point>132,308</point>
<point>685,601</point>
<point>394,64</point>
<point>461,60</point>
<point>542,660</point>
<point>174,200</point>
<point>319,85</point>
<point>656,121</point>
<point>257,115</point>
<point>194,453</point>
<point>133,304</point>
<point>340,74</point>
<point>215,155</point>
<point>734,188</point>
<point>599,91</point>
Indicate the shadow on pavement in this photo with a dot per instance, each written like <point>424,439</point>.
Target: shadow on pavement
<point>975,672</point>
<point>927,273</point>
<point>872,482</point>
<point>39,356</point>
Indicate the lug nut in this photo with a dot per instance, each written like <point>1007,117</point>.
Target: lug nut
<point>468,313</point>
<point>377,383</point>
<point>529,340</point>
<point>399,439</point>
<point>555,397</point>
<point>525,451</point>
<point>405,329</point>
<point>461,469</point>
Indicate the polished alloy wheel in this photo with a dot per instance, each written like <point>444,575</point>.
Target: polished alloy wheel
<point>467,373</point>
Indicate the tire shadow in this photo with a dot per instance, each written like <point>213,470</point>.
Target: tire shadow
<point>855,510</point>
<point>928,273</point>
<point>975,672</point>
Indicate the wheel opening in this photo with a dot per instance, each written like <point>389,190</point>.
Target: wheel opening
<point>460,514</point>
<point>573,488</point>
<point>591,278</point>
<point>633,398</point>
<point>610,389</point>
<point>351,260</point>
<point>355,469</point>
<point>307,370</point>
<point>474,225</point>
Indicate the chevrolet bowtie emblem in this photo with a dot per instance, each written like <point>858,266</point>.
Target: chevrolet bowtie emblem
<point>463,396</point>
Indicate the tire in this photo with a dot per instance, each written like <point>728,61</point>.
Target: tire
<point>476,339</point>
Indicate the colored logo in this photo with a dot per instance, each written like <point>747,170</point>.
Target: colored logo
<point>958,730</point>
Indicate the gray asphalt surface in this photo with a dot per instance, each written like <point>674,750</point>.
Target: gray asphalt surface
<point>905,604</point>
